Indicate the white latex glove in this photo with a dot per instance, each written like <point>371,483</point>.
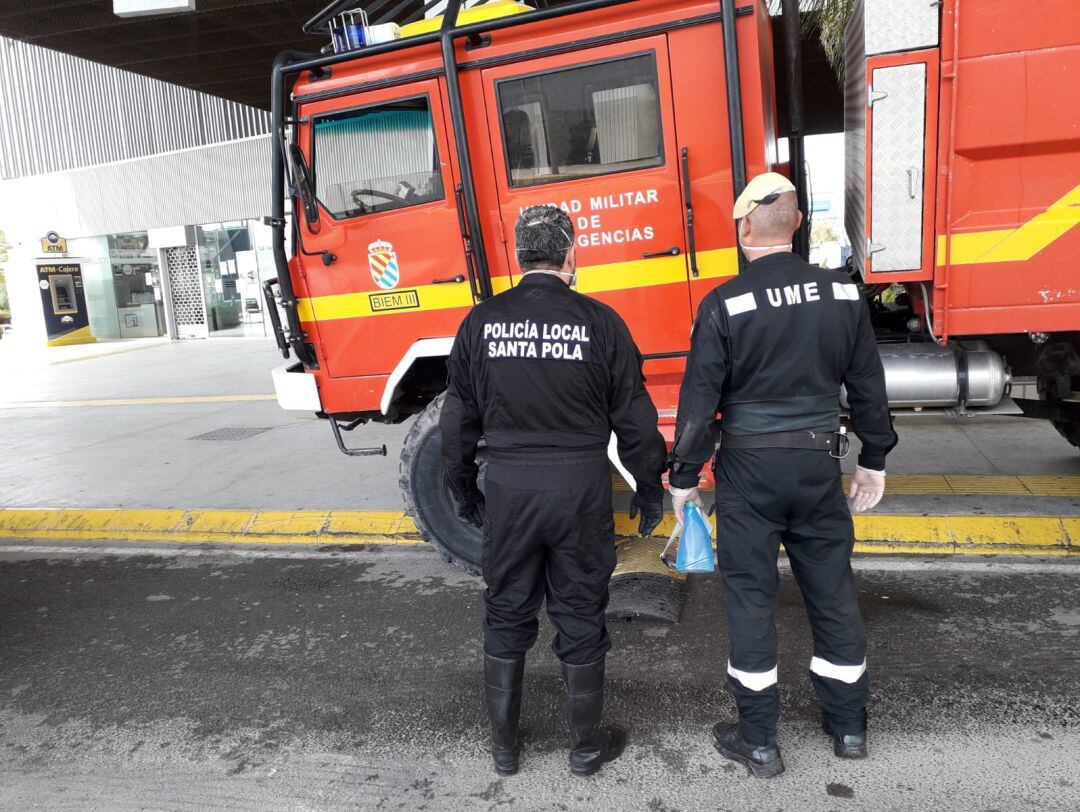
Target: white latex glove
<point>867,488</point>
<point>679,498</point>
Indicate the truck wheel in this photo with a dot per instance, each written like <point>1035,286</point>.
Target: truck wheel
<point>1070,430</point>
<point>427,494</point>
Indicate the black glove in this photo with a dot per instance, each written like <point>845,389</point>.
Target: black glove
<point>652,513</point>
<point>471,509</point>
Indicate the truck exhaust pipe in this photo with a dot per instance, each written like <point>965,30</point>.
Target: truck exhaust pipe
<point>927,375</point>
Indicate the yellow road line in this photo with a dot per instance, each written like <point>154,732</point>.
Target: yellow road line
<point>107,354</point>
<point>957,485</point>
<point>878,533</point>
<point>80,404</point>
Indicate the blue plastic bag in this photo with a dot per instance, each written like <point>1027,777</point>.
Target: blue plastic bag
<point>695,553</point>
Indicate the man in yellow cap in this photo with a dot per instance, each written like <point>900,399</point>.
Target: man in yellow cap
<point>770,351</point>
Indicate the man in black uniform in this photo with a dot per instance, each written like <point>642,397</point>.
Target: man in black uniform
<point>770,351</point>
<point>546,375</point>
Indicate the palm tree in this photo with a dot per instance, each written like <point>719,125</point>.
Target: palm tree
<point>829,18</point>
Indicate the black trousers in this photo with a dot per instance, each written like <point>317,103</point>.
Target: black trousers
<point>549,532</point>
<point>769,497</point>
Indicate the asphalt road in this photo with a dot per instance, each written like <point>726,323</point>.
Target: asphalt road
<point>315,678</point>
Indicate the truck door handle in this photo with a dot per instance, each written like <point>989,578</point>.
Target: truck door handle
<point>458,278</point>
<point>668,252</point>
<point>913,182</point>
<point>691,242</point>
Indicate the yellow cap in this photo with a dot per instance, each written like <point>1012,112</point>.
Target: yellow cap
<point>765,184</point>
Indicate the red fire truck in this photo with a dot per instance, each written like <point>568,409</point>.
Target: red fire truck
<point>406,163</point>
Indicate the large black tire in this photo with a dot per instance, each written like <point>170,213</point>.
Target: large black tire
<point>427,494</point>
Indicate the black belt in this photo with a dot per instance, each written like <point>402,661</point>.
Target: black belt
<point>533,457</point>
<point>835,442</point>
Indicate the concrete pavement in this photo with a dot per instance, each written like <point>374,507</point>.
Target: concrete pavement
<point>156,678</point>
<point>64,447</point>
<point>147,455</point>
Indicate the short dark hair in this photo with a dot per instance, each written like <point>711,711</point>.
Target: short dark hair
<point>776,220</point>
<point>544,235</point>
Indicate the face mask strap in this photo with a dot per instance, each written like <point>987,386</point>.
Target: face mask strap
<point>745,247</point>
<point>762,247</point>
<point>546,221</point>
<point>549,219</point>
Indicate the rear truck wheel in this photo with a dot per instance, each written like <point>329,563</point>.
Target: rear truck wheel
<point>1059,385</point>
<point>1066,417</point>
<point>641,588</point>
<point>428,497</point>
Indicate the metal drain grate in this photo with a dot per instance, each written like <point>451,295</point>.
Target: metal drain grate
<point>230,434</point>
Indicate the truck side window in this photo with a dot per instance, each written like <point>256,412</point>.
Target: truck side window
<point>581,121</point>
<point>377,158</point>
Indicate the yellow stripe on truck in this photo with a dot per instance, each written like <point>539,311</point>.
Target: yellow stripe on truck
<point>1015,244</point>
<point>638,273</point>
<point>718,264</point>
<point>359,305</point>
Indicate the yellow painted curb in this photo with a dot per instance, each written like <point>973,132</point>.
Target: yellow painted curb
<point>877,533</point>
<point>636,556</point>
<point>232,526</point>
<point>959,485</point>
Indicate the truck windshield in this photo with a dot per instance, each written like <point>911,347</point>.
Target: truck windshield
<point>377,158</point>
<point>581,121</point>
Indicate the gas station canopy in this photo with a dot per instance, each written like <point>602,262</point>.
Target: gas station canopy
<point>226,47</point>
<point>223,47</point>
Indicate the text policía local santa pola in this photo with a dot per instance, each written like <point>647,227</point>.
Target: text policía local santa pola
<point>529,339</point>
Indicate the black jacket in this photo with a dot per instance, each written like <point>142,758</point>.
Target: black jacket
<point>541,367</point>
<point>770,351</point>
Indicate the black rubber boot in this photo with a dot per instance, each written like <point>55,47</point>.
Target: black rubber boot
<point>591,745</point>
<point>502,695</point>
<point>761,761</point>
<point>847,745</point>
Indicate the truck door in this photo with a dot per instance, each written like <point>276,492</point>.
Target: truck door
<point>593,132</point>
<point>385,192</point>
<point>901,187</point>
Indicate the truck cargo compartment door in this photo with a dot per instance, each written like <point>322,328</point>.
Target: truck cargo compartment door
<point>897,99</point>
<point>899,25</point>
